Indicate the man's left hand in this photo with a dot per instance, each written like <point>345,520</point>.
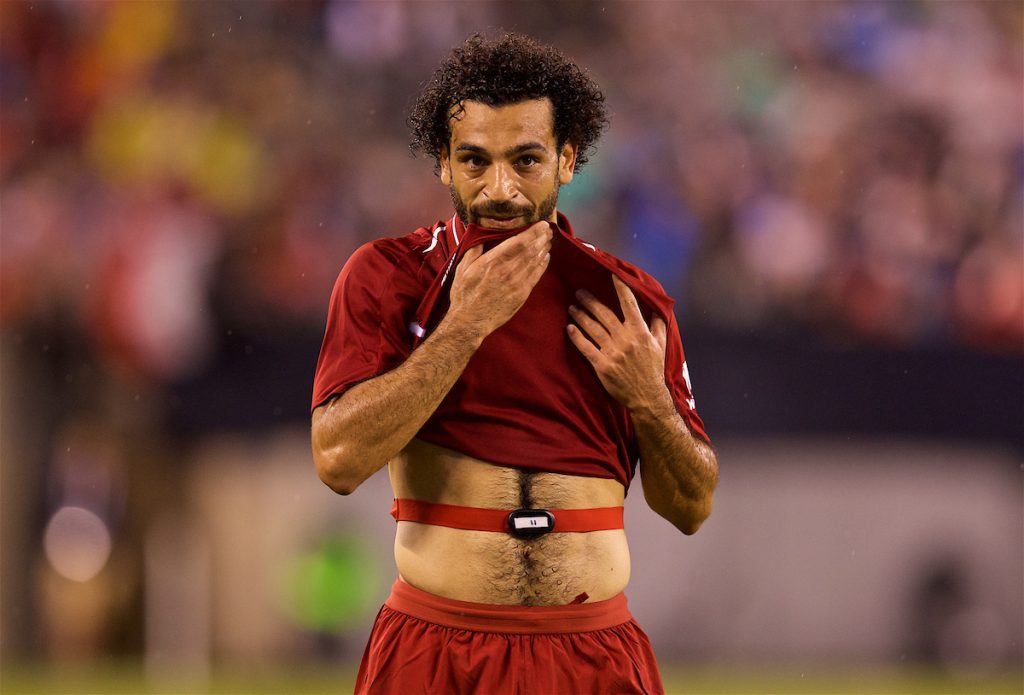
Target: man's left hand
<point>629,357</point>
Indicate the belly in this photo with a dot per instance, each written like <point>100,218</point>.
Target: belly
<point>487,567</point>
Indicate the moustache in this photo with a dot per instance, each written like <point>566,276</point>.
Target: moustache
<point>502,210</point>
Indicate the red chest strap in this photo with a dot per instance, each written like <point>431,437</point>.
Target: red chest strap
<point>497,520</point>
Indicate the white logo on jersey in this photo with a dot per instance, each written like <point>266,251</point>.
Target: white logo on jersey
<point>689,387</point>
<point>433,243</point>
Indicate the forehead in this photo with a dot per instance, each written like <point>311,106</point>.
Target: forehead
<point>500,127</point>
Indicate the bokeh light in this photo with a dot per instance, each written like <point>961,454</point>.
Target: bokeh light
<point>332,587</point>
<point>77,543</point>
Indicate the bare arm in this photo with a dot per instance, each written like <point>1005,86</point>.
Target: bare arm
<point>357,433</point>
<point>678,471</point>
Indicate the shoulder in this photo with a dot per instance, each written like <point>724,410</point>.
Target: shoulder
<point>629,270</point>
<point>395,250</point>
<point>386,257</point>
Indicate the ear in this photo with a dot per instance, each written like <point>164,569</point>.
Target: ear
<point>566,163</point>
<point>446,166</point>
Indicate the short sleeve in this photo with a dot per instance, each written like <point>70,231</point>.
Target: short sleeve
<point>366,334</point>
<point>677,376</point>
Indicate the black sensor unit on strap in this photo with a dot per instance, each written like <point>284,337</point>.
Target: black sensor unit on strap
<point>528,523</point>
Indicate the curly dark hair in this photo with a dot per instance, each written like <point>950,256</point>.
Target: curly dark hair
<point>508,70</point>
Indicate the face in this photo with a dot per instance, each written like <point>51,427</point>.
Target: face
<point>503,165</point>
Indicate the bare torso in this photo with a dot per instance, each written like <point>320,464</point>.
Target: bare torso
<point>488,567</point>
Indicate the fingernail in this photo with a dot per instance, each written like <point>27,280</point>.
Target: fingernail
<point>573,309</point>
<point>582,294</point>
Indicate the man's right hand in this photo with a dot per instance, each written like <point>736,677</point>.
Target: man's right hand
<point>489,288</point>
<point>356,434</point>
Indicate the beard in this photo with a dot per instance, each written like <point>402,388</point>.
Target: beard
<point>529,213</point>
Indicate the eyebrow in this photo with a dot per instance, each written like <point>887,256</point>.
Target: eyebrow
<point>511,152</point>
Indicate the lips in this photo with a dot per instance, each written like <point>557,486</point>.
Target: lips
<point>501,222</point>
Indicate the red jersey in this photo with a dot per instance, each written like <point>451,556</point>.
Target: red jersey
<point>527,398</point>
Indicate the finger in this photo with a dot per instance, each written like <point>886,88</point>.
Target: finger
<point>592,328</point>
<point>525,270</point>
<point>529,258</point>
<point>586,347</point>
<point>528,267</point>
<point>536,269</point>
<point>599,311</point>
<point>659,331</point>
<point>468,258</point>
<point>539,234</point>
<point>542,242</point>
<point>542,245</point>
<point>630,309</point>
<point>509,248</point>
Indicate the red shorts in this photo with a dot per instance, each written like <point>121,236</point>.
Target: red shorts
<point>422,643</point>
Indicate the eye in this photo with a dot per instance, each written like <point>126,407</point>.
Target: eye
<point>528,160</point>
<point>472,161</point>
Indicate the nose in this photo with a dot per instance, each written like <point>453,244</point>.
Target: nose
<point>501,185</point>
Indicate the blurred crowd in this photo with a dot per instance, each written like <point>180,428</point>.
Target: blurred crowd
<point>173,171</point>
<point>180,183</point>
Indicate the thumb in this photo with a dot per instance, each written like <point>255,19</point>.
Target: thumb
<point>658,331</point>
<point>467,259</point>
<point>472,254</point>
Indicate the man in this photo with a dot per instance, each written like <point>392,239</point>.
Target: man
<point>510,375</point>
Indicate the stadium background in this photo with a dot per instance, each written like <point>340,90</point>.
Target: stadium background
<point>832,190</point>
